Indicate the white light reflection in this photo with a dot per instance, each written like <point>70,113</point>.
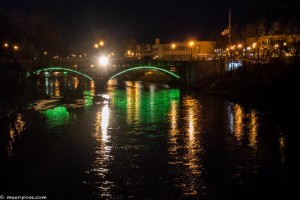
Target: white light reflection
<point>104,122</point>
<point>100,167</point>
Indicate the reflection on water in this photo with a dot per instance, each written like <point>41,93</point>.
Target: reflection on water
<point>100,167</point>
<point>243,124</point>
<point>238,123</point>
<point>192,109</point>
<point>16,127</point>
<point>133,103</point>
<point>58,116</point>
<point>253,126</point>
<point>150,142</point>
<point>56,85</point>
<point>282,148</point>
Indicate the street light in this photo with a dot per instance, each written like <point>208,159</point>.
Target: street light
<point>103,61</point>
<point>255,45</point>
<point>101,43</point>
<point>16,47</point>
<point>191,44</point>
<point>5,45</point>
<point>173,46</point>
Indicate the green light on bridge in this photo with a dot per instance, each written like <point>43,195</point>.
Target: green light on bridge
<point>60,69</point>
<point>146,67</point>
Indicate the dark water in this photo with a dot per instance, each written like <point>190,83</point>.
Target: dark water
<point>147,142</point>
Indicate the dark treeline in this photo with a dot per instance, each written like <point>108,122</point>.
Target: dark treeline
<point>33,34</point>
<point>24,41</point>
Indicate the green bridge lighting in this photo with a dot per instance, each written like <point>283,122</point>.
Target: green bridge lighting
<point>60,69</point>
<point>146,67</point>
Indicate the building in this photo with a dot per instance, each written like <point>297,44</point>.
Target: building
<point>184,51</point>
<point>275,45</point>
<point>144,51</point>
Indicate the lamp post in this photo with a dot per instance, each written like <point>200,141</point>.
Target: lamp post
<point>173,46</point>
<point>255,45</point>
<point>191,44</point>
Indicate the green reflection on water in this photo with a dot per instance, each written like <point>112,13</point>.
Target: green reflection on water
<point>88,98</point>
<point>57,116</point>
<point>144,107</point>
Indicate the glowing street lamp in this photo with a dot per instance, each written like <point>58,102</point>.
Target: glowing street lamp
<point>5,45</point>
<point>101,43</point>
<point>103,61</point>
<point>16,48</point>
<point>191,44</point>
<point>173,46</point>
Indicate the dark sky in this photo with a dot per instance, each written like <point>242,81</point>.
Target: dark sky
<point>143,20</point>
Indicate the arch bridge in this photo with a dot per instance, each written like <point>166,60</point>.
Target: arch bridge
<point>186,72</point>
<point>103,74</point>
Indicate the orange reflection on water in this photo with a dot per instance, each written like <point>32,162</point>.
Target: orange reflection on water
<point>282,149</point>
<point>56,91</point>
<point>193,129</point>
<point>130,101</point>
<point>75,82</point>
<point>93,85</point>
<point>56,87</point>
<point>253,127</point>
<point>133,93</point>
<point>191,158</point>
<point>238,122</point>
<point>15,129</point>
<point>56,82</point>
<point>173,117</point>
<point>173,131</point>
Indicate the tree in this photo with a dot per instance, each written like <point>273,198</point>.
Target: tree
<point>34,34</point>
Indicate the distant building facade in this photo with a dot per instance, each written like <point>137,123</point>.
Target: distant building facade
<point>184,51</point>
<point>276,45</point>
<point>144,50</point>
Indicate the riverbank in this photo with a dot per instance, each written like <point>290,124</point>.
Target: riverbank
<point>270,87</point>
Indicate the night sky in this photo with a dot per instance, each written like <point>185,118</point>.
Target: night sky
<point>139,19</point>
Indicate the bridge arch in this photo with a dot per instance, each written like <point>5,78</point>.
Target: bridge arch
<point>59,69</point>
<point>146,67</point>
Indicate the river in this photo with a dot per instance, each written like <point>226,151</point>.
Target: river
<point>148,141</point>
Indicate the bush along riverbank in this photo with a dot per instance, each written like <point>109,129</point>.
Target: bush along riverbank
<point>16,92</point>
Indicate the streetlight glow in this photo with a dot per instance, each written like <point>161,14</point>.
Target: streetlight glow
<point>103,61</point>
<point>101,43</point>
<point>191,43</point>
<point>15,47</point>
